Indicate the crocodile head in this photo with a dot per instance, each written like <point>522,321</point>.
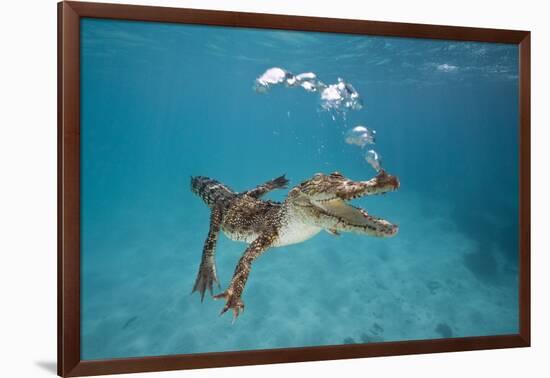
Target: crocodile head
<point>322,201</point>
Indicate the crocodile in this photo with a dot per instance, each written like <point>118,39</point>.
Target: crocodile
<point>317,204</point>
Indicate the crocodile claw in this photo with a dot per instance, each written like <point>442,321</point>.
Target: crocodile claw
<point>232,302</point>
<point>206,278</point>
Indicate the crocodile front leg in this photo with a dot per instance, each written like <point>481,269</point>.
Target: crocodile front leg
<point>207,271</point>
<point>232,294</point>
<point>277,183</point>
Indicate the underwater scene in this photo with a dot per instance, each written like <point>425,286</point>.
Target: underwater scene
<point>372,182</point>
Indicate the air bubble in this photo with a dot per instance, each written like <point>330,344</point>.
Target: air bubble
<point>374,159</point>
<point>340,96</point>
<point>360,136</point>
<point>270,77</point>
<point>337,97</point>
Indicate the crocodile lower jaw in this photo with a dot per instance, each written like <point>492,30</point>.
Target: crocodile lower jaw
<point>341,216</point>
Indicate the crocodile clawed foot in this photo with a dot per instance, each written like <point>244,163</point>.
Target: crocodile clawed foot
<point>280,182</point>
<point>232,301</point>
<point>205,280</point>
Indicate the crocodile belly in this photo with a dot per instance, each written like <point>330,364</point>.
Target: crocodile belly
<point>241,235</point>
<point>295,233</point>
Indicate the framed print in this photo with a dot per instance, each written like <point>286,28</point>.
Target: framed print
<point>239,188</point>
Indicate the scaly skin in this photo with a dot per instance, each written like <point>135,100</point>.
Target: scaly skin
<point>314,205</point>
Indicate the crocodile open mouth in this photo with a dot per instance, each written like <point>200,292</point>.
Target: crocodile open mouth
<point>347,217</point>
<point>324,199</point>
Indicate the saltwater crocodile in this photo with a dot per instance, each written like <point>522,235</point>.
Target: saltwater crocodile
<point>316,204</point>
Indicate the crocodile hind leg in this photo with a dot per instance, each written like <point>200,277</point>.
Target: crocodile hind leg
<point>207,271</point>
<point>277,183</point>
<point>232,294</point>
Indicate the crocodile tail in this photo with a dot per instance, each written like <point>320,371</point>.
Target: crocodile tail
<point>210,191</point>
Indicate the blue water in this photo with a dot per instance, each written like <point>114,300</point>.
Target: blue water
<point>163,102</point>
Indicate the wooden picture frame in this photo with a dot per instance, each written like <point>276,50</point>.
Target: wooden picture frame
<point>69,358</point>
